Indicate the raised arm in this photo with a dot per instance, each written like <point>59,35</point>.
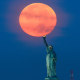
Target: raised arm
<point>45,42</point>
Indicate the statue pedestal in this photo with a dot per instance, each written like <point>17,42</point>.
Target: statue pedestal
<point>53,78</point>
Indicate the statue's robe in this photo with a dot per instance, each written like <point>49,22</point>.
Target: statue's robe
<point>51,63</point>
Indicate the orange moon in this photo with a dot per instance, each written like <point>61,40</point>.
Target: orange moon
<point>37,19</point>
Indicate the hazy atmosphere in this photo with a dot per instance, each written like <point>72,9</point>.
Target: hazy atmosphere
<point>23,57</point>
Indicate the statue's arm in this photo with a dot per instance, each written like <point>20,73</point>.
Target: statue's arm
<point>45,42</point>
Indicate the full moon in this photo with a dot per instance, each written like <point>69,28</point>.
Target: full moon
<point>37,19</point>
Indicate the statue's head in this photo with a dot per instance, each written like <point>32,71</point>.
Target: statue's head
<point>50,47</point>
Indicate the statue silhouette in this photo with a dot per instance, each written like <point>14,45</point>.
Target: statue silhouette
<point>50,62</point>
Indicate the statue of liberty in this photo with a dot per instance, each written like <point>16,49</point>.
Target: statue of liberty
<point>50,62</point>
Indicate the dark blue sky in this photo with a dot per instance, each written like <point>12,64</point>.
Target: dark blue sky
<point>22,57</point>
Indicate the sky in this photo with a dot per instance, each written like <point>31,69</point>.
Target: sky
<point>23,57</point>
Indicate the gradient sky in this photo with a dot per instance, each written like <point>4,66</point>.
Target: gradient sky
<point>22,57</point>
